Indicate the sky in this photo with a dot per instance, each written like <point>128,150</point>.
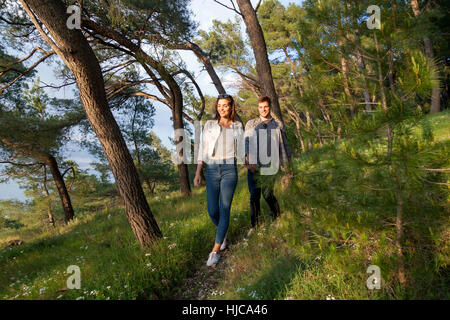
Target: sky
<point>204,11</point>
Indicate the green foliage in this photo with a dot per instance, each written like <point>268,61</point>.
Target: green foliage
<point>224,45</point>
<point>168,19</point>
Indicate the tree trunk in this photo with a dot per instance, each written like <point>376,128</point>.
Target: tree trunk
<point>296,118</point>
<point>61,187</point>
<point>206,63</point>
<point>176,97</point>
<point>149,187</point>
<point>435,91</point>
<point>362,68</point>
<point>294,73</point>
<point>260,51</point>
<point>79,57</point>
<point>344,72</point>
<point>51,219</point>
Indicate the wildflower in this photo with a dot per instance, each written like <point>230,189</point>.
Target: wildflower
<point>147,254</point>
<point>108,287</point>
<point>173,245</point>
<point>149,264</point>
<point>330,297</point>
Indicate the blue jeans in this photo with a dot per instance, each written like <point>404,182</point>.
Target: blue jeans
<point>221,181</point>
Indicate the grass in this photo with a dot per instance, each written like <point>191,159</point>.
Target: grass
<point>331,230</point>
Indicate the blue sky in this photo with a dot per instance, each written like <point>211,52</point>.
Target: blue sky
<point>205,11</point>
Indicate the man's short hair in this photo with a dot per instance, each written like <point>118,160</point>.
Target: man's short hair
<point>264,99</point>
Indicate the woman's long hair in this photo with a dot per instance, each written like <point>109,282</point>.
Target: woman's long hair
<point>233,107</point>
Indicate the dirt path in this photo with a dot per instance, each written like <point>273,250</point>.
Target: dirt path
<point>202,285</point>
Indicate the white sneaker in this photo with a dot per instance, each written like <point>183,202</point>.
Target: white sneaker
<point>213,259</point>
<point>224,244</point>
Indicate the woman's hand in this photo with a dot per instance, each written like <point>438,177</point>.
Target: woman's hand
<point>197,180</point>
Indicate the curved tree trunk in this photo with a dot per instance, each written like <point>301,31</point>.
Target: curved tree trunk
<point>61,187</point>
<point>176,97</point>
<point>260,51</point>
<point>79,57</point>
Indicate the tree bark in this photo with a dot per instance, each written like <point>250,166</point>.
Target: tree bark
<point>74,50</point>
<point>149,186</point>
<point>50,161</point>
<point>260,51</point>
<point>206,63</point>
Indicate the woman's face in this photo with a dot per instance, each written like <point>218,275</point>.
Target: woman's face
<point>224,108</point>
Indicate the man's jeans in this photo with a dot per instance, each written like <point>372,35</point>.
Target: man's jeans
<point>221,181</point>
<point>256,187</point>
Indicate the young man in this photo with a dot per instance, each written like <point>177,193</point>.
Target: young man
<point>258,183</point>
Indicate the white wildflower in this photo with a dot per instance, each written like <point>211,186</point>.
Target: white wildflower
<point>173,245</point>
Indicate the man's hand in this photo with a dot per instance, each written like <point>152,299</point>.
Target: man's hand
<point>251,167</point>
<point>197,180</point>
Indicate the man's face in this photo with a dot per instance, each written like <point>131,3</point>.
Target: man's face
<point>263,109</point>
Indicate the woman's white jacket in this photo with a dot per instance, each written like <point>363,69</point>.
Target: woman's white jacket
<point>210,134</point>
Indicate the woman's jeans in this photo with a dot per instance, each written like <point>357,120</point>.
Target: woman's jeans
<point>256,187</point>
<point>221,181</point>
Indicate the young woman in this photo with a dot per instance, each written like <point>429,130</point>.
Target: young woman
<point>218,151</point>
